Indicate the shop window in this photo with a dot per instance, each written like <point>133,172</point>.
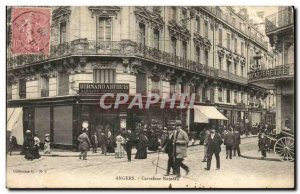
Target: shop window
<point>156,39</point>
<point>44,86</point>
<point>104,75</point>
<point>104,30</point>
<point>63,125</point>
<point>22,88</point>
<point>63,32</point>
<point>9,92</point>
<point>63,83</point>
<point>228,96</point>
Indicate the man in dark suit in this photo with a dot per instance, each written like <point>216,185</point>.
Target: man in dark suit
<point>129,142</point>
<point>214,143</point>
<point>167,147</point>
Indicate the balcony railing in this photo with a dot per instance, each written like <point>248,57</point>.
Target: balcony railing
<point>281,71</point>
<point>280,19</point>
<point>230,76</point>
<point>225,18</point>
<point>108,48</point>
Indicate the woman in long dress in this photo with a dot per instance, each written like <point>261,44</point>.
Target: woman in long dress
<point>28,145</point>
<point>120,141</point>
<point>142,146</point>
<point>110,143</point>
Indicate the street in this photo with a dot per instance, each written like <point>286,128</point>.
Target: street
<point>70,172</point>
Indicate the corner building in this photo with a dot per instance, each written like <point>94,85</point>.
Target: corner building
<point>164,50</point>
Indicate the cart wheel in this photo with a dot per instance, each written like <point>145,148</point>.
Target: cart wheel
<point>284,149</point>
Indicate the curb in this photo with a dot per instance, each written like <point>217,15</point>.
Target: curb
<point>260,158</point>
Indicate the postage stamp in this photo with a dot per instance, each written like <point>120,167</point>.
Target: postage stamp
<point>30,30</point>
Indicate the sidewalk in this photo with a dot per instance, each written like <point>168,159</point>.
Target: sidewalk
<point>68,153</point>
<point>255,154</point>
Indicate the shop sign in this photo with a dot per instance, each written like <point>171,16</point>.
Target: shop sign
<point>102,88</point>
<point>276,72</point>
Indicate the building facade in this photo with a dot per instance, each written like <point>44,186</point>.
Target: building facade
<point>280,30</point>
<point>203,50</point>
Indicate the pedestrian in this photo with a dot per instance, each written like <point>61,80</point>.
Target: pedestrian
<point>167,147</point>
<point>229,143</point>
<point>28,145</point>
<point>142,146</point>
<point>12,143</point>
<point>205,143</point>
<point>214,143</point>
<point>103,142</point>
<point>110,143</point>
<point>129,137</point>
<point>180,141</point>
<point>120,141</point>
<point>237,142</point>
<point>84,144</point>
<point>47,144</point>
<point>263,145</point>
<point>94,141</point>
<point>36,146</point>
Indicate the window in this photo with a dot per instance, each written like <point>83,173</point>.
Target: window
<point>240,26</point>
<point>9,92</point>
<point>104,30</point>
<point>242,97</point>
<point>198,24</point>
<point>235,45</point>
<point>228,41</point>
<point>235,97</point>
<point>172,89</point>
<point>203,94</point>
<point>63,83</point>
<point>104,75</point>
<point>184,50</point>
<point>184,16</point>
<point>155,86</point>
<point>242,70</point>
<point>220,63</point>
<point>228,96</point>
<point>173,46</point>
<point>220,37</point>
<point>220,94</point>
<point>235,69</point>
<point>142,34</point>
<point>63,32</point>
<point>206,29</point>
<point>174,13</point>
<point>156,39</point>
<point>22,88</point>
<point>233,22</point>
<point>198,53</point>
<point>228,66</point>
<point>206,57</point>
<point>242,48</point>
<point>44,86</point>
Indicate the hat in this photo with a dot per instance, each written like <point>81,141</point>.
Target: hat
<point>47,135</point>
<point>28,131</point>
<point>177,122</point>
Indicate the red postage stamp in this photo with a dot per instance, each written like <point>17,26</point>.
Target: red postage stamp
<point>31,30</point>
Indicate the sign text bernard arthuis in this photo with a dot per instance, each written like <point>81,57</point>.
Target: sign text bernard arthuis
<point>101,88</point>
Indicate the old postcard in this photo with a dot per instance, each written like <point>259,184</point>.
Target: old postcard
<point>194,97</point>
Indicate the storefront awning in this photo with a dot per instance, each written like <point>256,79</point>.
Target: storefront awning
<point>15,123</point>
<point>202,114</point>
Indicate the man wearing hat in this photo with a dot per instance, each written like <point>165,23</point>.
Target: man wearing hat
<point>167,147</point>
<point>214,143</point>
<point>180,143</point>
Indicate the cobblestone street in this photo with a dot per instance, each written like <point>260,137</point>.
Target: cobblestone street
<point>236,173</point>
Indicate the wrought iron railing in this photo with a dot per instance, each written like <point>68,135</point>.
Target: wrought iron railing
<point>231,76</point>
<point>280,19</point>
<point>277,72</point>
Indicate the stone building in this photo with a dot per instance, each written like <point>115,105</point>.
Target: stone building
<point>164,50</point>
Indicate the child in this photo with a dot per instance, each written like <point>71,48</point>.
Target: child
<point>47,144</point>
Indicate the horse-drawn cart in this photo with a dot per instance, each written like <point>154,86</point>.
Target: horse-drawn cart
<point>284,147</point>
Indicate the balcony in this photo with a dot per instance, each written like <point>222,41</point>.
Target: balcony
<point>230,76</point>
<point>279,72</point>
<point>125,48</point>
<point>279,20</point>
